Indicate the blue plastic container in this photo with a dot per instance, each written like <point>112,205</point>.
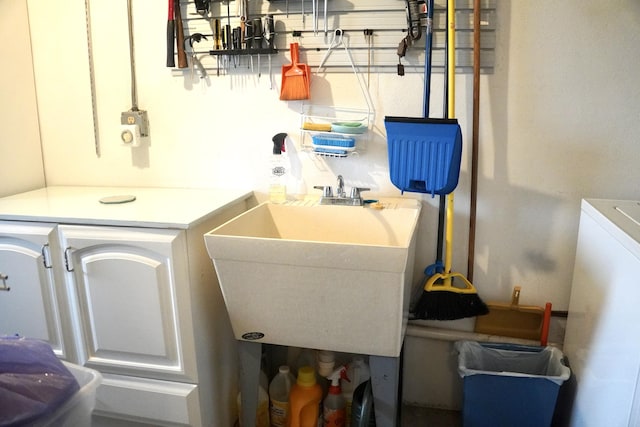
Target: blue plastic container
<point>424,154</point>
<point>507,385</point>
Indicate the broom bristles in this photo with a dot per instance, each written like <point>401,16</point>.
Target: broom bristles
<point>294,88</point>
<point>449,305</point>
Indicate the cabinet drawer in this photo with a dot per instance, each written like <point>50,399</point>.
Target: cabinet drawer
<point>151,401</point>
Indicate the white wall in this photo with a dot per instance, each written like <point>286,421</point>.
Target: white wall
<point>559,121</point>
<point>20,155</point>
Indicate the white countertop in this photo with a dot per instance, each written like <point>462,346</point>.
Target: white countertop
<point>153,207</point>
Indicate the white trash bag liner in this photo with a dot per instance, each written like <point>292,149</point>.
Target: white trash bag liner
<point>511,360</point>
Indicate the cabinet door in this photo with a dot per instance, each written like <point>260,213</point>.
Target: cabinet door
<point>131,297</point>
<point>29,302</point>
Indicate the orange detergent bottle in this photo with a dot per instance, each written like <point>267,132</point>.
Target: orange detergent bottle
<point>304,399</point>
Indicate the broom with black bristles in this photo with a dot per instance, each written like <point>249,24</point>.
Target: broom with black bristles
<point>442,299</point>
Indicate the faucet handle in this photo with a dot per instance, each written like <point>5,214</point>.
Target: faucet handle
<point>355,192</point>
<point>326,190</point>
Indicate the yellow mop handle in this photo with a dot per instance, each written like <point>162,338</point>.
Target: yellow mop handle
<point>451,96</point>
<point>448,256</point>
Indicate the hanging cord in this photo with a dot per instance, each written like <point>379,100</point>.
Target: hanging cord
<point>134,91</point>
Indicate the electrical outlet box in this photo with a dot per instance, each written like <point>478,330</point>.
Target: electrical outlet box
<point>130,135</point>
<point>138,118</point>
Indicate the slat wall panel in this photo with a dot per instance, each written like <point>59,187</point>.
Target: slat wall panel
<point>387,19</point>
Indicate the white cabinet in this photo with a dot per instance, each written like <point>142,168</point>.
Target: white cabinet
<point>29,302</point>
<point>128,290</point>
<point>131,313</point>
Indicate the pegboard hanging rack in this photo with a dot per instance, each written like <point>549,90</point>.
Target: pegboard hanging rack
<point>387,18</point>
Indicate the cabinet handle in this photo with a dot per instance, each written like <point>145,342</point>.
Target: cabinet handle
<point>67,259</point>
<point>46,257</point>
<point>4,286</point>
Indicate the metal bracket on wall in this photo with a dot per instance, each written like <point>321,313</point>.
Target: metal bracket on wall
<point>92,77</point>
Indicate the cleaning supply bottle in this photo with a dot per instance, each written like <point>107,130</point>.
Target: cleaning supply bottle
<point>298,357</point>
<point>335,405</point>
<point>358,372</point>
<point>279,391</point>
<point>362,410</point>
<point>262,412</point>
<point>326,365</point>
<point>278,180</point>
<point>304,399</point>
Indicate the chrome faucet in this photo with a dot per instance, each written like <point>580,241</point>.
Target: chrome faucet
<point>340,198</point>
<point>340,190</point>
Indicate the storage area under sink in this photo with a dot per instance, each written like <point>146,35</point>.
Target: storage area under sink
<point>331,277</point>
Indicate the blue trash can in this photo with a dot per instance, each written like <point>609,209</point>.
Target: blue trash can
<point>506,385</point>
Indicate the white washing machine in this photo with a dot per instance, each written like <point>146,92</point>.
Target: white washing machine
<point>602,338</point>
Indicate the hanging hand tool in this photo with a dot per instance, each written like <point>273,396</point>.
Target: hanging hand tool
<point>402,51</point>
<point>226,44</point>
<point>196,37</point>
<point>257,39</point>
<point>226,36</point>
<point>216,43</point>
<point>326,27</point>
<point>243,13</point>
<point>248,41</point>
<point>171,36</point>
<point>182,55</point>
<point>269,36</point>
<point>236,38</point>
<point>314,15</point>
<point>413,19</point>
<point>202,7</point>
<point>368,36</point>
<point>216,34</point>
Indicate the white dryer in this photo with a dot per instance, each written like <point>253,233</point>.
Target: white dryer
<point>602,338</point>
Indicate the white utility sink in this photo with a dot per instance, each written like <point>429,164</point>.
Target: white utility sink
<point>317,276</point>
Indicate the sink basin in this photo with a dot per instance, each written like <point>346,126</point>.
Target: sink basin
<point>319,276</point>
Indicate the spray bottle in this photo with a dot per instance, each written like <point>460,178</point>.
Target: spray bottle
<point>277,184</point>
<point>358,372</point>
<point>335,404</point>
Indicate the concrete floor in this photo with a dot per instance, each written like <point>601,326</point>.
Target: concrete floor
<point>416,416</point>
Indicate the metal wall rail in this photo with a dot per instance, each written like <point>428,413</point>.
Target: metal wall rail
<point>372,29</point>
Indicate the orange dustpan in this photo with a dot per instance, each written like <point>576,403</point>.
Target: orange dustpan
<point>295,77</point>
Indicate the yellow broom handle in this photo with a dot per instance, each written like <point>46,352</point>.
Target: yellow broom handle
<point>448,256</point>
<point>451,74</point>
